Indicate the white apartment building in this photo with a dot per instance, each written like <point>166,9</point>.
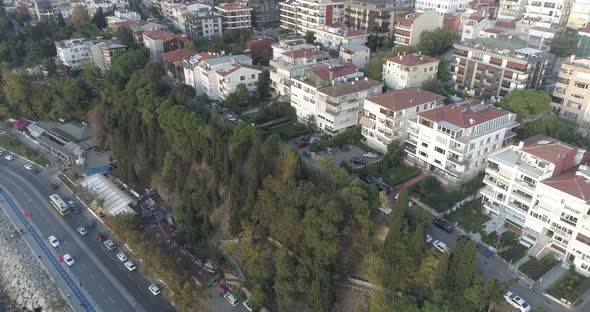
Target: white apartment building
<point>235,15</point>
<point>123,16</point>
<point>550,11</point>
<point>408,29</point>
<point>385,116</point>
<point>301,16</point>
<point>406,71</point>
<point>336,107</point>
<point>473,23</point>
<point>291,64</point>
<point>334,36</point>
<point>454,141</point>
<point>356,54</point>
<point>73,52</point>
<point>442,6</point>
<point>579,14</point>
<point>202,22</point>
<point>511,10</point>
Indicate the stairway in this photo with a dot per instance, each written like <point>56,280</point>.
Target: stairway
<point>540,245</point>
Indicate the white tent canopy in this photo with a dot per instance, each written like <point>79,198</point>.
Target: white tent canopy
<point>115,200</point>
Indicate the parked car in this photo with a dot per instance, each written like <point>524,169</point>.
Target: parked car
<point>366,179</point>
<point>122,256</point>
<point>154,289</point>
<point>29,167</point>
<point>74,207</point>
<point>443,224</point>
<point>69,260</point>
<point>82,230</point>
<point>248,305</point>
<point>231,117</point>
<point>428,238</point>
<point>8,157</point>
<point>210,267</point>
<point>2,132</point>
<point>355,161</point>
<point>440,246</point>
<point>110,244</point>
<point>53,241</point>
<point>370,155</point>
<point>130,266</point>
<point>223,288</point>
<point>100,237</point>
<point>517,302</point>
<point>231,299</point>
<point>313,140</point>
<point>1,153</point>
<point>91,224</point>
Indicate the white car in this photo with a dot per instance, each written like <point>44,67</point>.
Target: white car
<point>29,167</point>
<point>440,246</point>
<point>231,117</point>
<point>130,266</point>
<point>110,245</point>
<point>517,302</point>
<point>154,289</point>
<point>82,230</point>
<point>2,132</point>
<point>313,140</point>
<point>370,155</point>
<point>9,157</point>
<point>247,305</point>
<point>69,260</point>
<point>428,238</point>
<point>231,299</point>
<point>122,256</point>
<point>53,241</point>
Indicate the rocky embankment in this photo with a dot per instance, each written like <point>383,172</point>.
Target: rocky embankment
<point>23,281</point>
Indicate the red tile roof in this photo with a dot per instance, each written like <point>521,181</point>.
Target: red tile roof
<point>412,59</point>
<point>465,114</point>
<point>405,98</point>
<point>164,36</point>
<point>506,24</point>
<point>547,148</point>
<point>323,70</point>
<point>570,183</point>
<point>350,87</point>
<point>178,55</point>
<point>302,53</point>
<point>125,24</point>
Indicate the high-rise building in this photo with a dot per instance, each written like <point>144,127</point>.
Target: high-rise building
<point>571,96</point>
<point>301,16</point>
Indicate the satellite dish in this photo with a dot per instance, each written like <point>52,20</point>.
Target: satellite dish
<point>543,142</point>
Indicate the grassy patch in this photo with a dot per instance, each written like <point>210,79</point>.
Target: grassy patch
<point>15,146</point>
<point>470,217</point>
<point>290,130</point>
<point>430,192</point>
<point>570,287</point>
<point>504,240</point>
<point>67,182</point>
<point>535,269</point>
<point>514,253</point>
<point>392,176</point>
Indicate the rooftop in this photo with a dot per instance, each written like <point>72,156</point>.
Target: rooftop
<point>178,55</point>
<point>412,59</point>
<point>547,148</point>
<point>164,36</point>
<point>350,87</point>
<point>343,31</point>
<point>75,131</point>
<point>232,67</point>
<point>232,7</point>
<point>571,183</point>
<point>464,114</point>
<point>353,47</point>
<point>404,98</point>
<point>213,61</point>
<point>303,53</point>
<point>337,70</point>
<point>508,46</point>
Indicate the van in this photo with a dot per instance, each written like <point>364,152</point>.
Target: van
<point>229,297</point>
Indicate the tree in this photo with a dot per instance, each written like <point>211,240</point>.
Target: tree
<point>564,44</point>
<point>436,42</point>
<point>80,16</point>
<point>443,73</point>
<point>435,86</point>
<point>99,19</point>
<point>462,267</point>
<point>60,20</point>
<point>527,103</point>
<point>263,85</point>
<point>374,69</point>
<point>309,37</point>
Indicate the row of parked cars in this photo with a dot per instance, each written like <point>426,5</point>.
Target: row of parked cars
<point>226,292</point>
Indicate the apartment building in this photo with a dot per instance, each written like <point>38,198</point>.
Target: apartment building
<point>202,22</point>
<point>571,96</point>
<point>159,42</point>
<point>301,16</point>
<point>334,36</point>
<point>407,29</point>
<point>374,17</point>
<point>293,63</point>
<point>73,52</point>
<point>406,71</point>
<point>442,7</point>
<point>235,15</point>
<point>497,66</point>
<point>579,14</point>
<point>511,10</point>
<point>173,63</point>
<point>266,13</point>
<point>123,16</point>
<point>385,117</point>
<point>473,23</point>
<point>454,141</point>
<point>139,28</point>
<point>356,54</point>
<point>334,108</point>
<point>278,48</point>
<point>550,11</point>
<point>102,53</point>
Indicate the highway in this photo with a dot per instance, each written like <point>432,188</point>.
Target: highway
<point>97,272</point>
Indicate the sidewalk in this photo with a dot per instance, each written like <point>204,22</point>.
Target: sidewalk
<point>410,182</point>
<point>551,277</point>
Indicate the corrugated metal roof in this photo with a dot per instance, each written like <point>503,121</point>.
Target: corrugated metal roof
<point>115,200</point>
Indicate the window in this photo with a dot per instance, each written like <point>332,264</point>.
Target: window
<point>488,140</point>
<point>423,154</point>
<point>253,75</point>
<point>497,136</point>
<point>242,77</point>
<point>439,150</point>
<point>581,85</point>
<point>424,144</point>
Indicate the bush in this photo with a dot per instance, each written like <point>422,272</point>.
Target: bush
<point>274,111</point>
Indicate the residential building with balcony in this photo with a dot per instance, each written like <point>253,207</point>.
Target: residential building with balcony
<point>235,15</point>
<point>406,71</point>
<point>334,36</point>
<point>173,62</point>
<point>511,10</point>
<point>123,16</point>
<point>293,63</point>
<point>202,22</point>
<point>497,66</point>
<point>102,53</point>
<point>74,52</point>
<point>442,7</point>
<point>337,107</point>
<point>301,16</point>
<point>473,23</point>
<point>356,54</point>
<point>374,17</point>
<point>513,174</point>
<point>139,28</point>
<point>266,13</point>
<point>407,29</point>
<point>454,141</point>
<point>278,48</point>
<point>579,14</point>
<point>385,117</point>
<point>159,42</point>
<point>571,96</point>
<point>550,11</point>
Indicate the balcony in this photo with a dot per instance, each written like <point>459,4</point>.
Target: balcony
<point>413,128</point>
<point>456,161</point>
<point>519,194</point>
<point>458,148</point>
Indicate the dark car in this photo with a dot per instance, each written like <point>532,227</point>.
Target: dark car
<point>366,179</point>
<point>466,239</point>
<point>444,225</point>
<point>91,224</point>
<point>357,161</point>
<point>383,188</point>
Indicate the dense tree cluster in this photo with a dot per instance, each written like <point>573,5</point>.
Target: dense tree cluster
<point>527,103</point>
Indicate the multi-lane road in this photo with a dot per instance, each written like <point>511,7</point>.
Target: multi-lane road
<point>100,276</point>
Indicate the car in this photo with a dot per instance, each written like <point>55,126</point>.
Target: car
<point>396,196</point>
<point>355,161</point>
<point>122,256</point>
<point>9,157</point>
<point>440,246</point>
<point>466,239</point>
<point>313,140</point>
<point>370,155</point>
<point>223,288</point>
<point>443,224</point>
<point>383,188</point>
<point>53,241</point>
<point>231,299</point>
<point>2,132</point>
<point>517,302</point>
<point>366,179</point>
<point>428,238</point>
<point>231,117</point>
<point>91,224</point>
<point>74,207</point>
<point>110,244</point>
<point>29,167</point>
<point>154,289</point>
<point>1,153</point>
<point>130,266</point>
<point>82,230</point>
<point>100,237</point>
<point>329,150</point>
<point>210,267</point>
<point>248,305</point>
<point>69,260</point>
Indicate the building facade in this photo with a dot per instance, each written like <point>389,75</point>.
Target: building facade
<point>497,66</point>
<point>385,117</point>
<point>441,6</point>
<point>267,13</point>
<point>454,141</point>
<point>203,22</point>
<point>301,16</point>
<point>510,10</point>
<point>235,15</point>
<point>293,63</point>
<point>334,36</point>
<point>356,54</point>
<point>159,42</point>
<point>406,71</point>
<point>579,14</point>
<point>550,11</point>
<point>103,51</point>
<point>407,29</point>
<point>571,96</point>
<point>73,53</point>
<point>374,17</point>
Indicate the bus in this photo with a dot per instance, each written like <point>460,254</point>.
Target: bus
<point>59,204</point>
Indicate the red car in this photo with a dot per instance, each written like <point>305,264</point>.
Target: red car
<point>223,288</point>
<point>100,237</point>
